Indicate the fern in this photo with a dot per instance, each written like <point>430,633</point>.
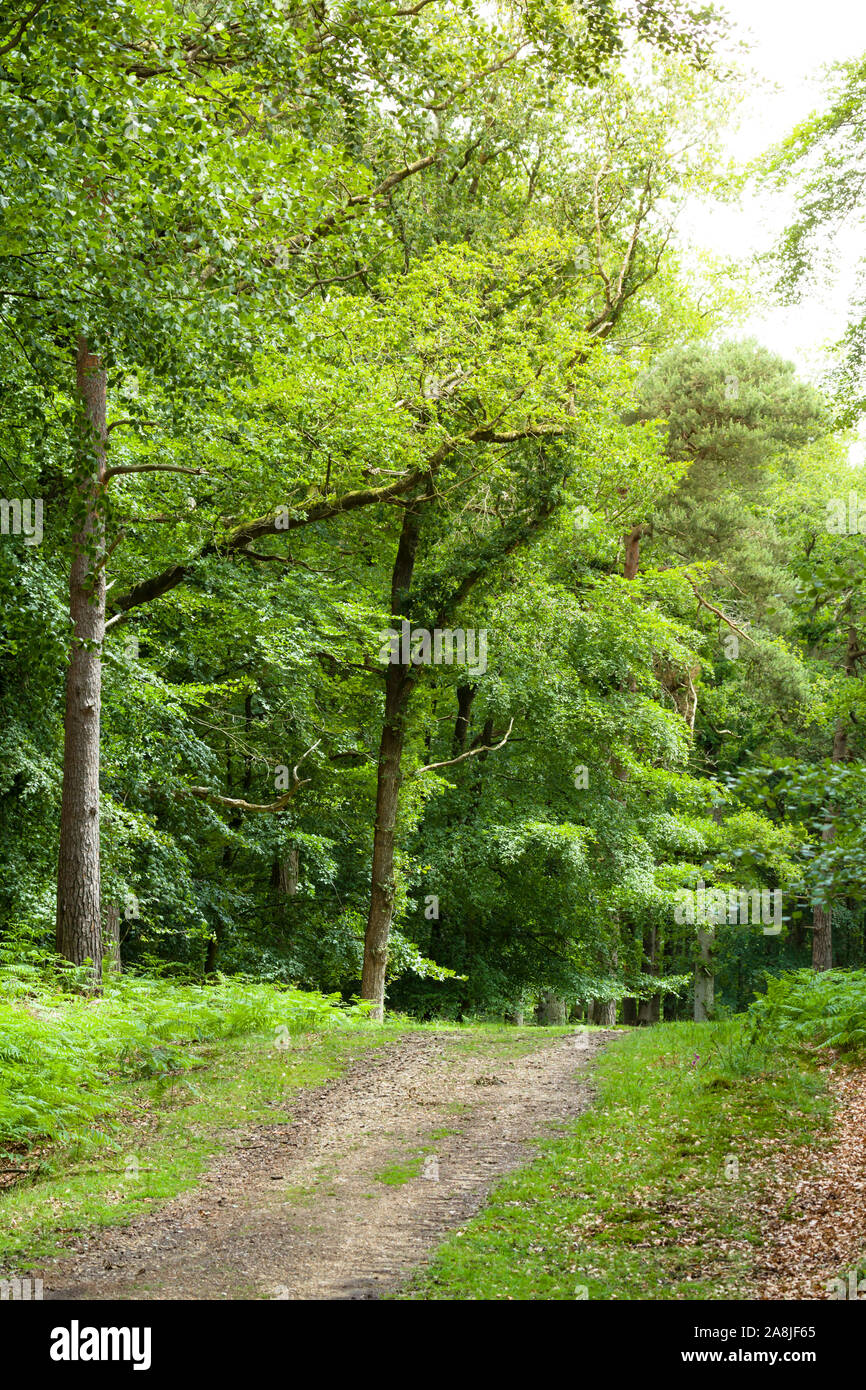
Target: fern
<point>827,1009</point>
<point>63,1053</point>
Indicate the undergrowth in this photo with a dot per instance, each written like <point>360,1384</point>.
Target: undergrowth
<point>62,1052</point>
<point>826,1009</point>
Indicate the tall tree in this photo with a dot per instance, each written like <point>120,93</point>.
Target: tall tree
<point>79,904</point>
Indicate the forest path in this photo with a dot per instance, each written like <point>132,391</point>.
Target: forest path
<point>356,1189</point>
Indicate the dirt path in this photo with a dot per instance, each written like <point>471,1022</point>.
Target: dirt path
<point>351,1194</point>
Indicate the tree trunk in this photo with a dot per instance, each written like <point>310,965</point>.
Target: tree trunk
<point>213,952</point>
<point>287,874</point>
<point>629,1012</point>
<point>632,540</point>
<point>704,980</point>
<point>649,1010</point>
<point>604,1010</point>
<point>822,939</point>
<point>79,928</point>
<point>465,697</point>
<point>822,918</point>
<point>382,886</point>
<point>214,945</point>
<point>552,1010</point>
<point>515,1016</point>
<point>398,687</point>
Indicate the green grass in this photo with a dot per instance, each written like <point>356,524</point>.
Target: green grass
<point>651,1195</point>
<point>158,1146</point>
<point>398,1174</point>
<point>114,1105</point>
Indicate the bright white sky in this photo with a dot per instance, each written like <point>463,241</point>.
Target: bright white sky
<point>791,40</point>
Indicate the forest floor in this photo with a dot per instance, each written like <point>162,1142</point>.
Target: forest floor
<point>705,1169</point>
<point>815,1214</point>
<point>463,1162</point>
<point>356,1183</point>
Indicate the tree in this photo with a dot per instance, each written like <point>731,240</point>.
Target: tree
<point>79,901</point>
<point>822,158</point>
<point>174,232</point>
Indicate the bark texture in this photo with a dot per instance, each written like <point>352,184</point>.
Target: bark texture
<point>822,939</point>
<point>465,697</point>
<point>632,541</point>
<point>552,1010</point>
<point>398,684</point>
<point>79,926</point>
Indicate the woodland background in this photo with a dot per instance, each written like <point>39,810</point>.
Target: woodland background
<point>318,318</point>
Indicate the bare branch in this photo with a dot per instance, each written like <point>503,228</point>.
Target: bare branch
<point>485,436</point>
<point>416,9</point>
<point>471,753</point>
<point>703,603</point>
<point>150,468</point>
<point>128,421</point>
<point>116,620</point>
<point>269,808</point>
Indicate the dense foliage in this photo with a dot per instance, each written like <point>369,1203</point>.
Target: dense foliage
<point>396,340</point>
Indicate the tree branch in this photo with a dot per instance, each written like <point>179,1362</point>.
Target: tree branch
<point>128,420</point>
<point>19,33</point>
<point>331,223</point>
<point>269,808</point>
<point>703,603</point>
<point>276,524</point>
<point>150,468</point>
<point>471,753</point>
